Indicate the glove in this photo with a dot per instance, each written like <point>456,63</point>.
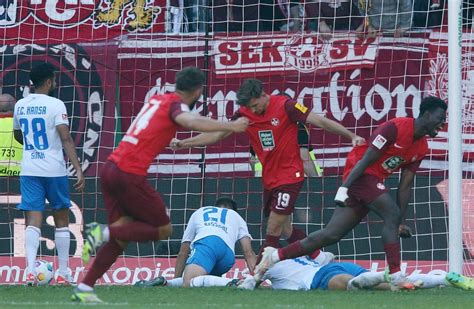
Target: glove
<point>341,196</point>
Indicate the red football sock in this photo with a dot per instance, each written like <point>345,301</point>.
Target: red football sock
<point>134,231</point>
<point>315,254</point>
<point>293,250</point>
<point>270,241</point>
<point>392,252</point>
<point>106,256</point>
<point>297,234</point>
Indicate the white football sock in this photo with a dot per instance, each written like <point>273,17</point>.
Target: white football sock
<point>106,234</point>
<point>32,236</point>
<point>429,281</point>
<point>176,282</point>
<point>208,280</point>
<point>62,238</point>
<point>366,280</point>
<point>84,287</point>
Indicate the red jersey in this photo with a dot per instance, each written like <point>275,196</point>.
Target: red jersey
<point>274,138</point>
<point>149,134</point>
<point>394,139</point>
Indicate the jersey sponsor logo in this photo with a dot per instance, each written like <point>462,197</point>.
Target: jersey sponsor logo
<point>301,107</point>
<point>267,140</point>
<point>275,122</point>
<point>379,141</point>
<point>392,163</point>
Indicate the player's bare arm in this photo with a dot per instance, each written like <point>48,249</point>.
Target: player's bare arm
<point>249,254</point>
<point>334,127</point>
<point>200,140</point>
<point>70,150</point>
<point>370,156</point>
<point>205,124</point>
<point>403,197</point>
<point>183,255</point>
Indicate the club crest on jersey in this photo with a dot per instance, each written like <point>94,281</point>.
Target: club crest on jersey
<point>379,141</point>
<point>266,139</point>
<point>275,122</point>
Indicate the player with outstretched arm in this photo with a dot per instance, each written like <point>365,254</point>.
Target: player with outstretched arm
<point>273,134</point>
<point>136,212</point>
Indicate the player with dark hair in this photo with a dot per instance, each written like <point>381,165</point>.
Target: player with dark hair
<point>398,143</point>
<point>40,123</point>
<point>208,243</point>
<point>135,210</point>
<point>273,134</point>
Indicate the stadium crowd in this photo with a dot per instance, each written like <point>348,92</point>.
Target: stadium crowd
<point>369,17</point>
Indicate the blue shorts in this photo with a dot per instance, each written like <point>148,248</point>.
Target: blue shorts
<point>327,272</point>
<point>212,254</point>
<point>34,190</point>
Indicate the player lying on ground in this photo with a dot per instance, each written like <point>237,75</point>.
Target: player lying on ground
<point>303,273</point>
<point>306,274</point>
<point>208,243</point>
<point>398,143</point>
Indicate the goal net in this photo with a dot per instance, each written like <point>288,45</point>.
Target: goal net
<point>348,61</point>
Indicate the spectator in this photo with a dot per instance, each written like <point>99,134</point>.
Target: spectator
<point>389,16</point>
<point>427,13</point>
<point>327,16</point>
<point>280,15</point>
<point>10,150</point>
<point>235,15</point>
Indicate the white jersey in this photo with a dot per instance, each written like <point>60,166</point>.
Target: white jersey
<point>222,222</point>
<point>293,274</point>
<point>37,116</point>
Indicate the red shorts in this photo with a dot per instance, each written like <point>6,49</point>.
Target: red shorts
<point>282,199</point>
<point>131,195</point>
<point>363,192</point>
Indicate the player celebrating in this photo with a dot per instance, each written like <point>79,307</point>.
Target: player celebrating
<point>135,210</point>
<point>398,143</point>
<point>40,123</point>
<point>273,134</point>
<point>210,237</point>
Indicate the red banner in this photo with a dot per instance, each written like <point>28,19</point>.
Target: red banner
<point>358,83</point>
<point>46,21</point>
<point>127,271</point>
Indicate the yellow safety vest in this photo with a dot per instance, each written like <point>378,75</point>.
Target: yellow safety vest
<point>11,151</point>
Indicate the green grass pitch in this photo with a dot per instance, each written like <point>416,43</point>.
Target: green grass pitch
<point>166,297</point>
